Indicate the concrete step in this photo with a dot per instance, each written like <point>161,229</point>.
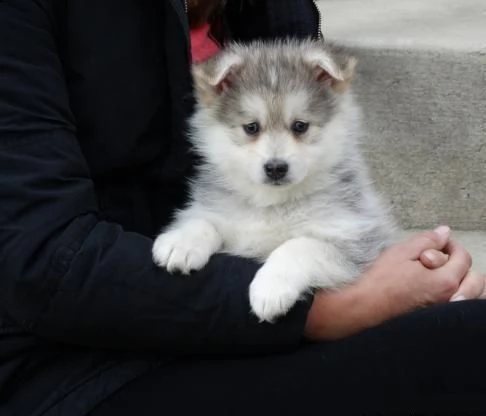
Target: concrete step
<point>451,25</point>
<point>422,84</point>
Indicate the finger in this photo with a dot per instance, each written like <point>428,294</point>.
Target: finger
<point>433,259</point>
<point>472,287</point>
<point>458,264</point>
<point>453,247</point>
<point>435,240</point>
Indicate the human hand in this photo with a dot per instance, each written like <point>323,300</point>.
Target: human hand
<point>396,283</point>
<point>473,285</point>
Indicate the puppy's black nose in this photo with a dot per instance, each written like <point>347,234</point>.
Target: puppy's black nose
<point>276,169</point>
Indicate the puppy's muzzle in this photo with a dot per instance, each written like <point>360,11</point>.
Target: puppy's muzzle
<point>276,169</point>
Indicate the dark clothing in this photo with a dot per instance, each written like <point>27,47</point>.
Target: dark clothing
<point>93,101</point>
<point>427,363</point>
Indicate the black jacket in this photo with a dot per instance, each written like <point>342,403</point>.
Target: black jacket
<point>93,101</point>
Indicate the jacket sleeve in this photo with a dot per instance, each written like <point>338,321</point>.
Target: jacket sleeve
<point>70,277</point>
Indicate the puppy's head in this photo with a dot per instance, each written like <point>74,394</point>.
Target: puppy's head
<point>268,113</point>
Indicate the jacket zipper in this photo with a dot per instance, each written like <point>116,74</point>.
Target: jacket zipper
<point>319,26</point>
<point>186,8</point>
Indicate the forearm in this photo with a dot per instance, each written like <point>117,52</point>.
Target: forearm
<point>136,305</point>
<point>338,314</point>
<point>103,291</point>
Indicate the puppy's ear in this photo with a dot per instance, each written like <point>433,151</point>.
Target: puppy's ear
<point>332,67</point>
<point>215,76</point>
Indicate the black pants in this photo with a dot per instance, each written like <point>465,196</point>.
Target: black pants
<point>431,362</point>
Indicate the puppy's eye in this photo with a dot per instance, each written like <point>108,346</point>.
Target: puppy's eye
<point>299,127</point>
<point>252,128</point>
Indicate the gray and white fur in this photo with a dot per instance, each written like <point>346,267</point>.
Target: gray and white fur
<point>282,179</point>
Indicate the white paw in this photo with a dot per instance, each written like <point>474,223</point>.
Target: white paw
<point>185,249</point>
<point>273,292</point>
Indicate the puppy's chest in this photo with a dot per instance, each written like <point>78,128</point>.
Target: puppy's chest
<point>257,233</point>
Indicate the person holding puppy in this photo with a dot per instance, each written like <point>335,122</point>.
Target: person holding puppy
<point>94,98</point>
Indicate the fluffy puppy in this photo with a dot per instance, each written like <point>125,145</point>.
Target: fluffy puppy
<point>282,179</point>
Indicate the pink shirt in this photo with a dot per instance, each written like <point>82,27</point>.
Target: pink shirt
<point>202,46</point>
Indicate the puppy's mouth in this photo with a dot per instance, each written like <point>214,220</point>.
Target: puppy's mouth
<point>278,182</point>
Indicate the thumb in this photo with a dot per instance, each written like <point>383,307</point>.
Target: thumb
<point>433,259</point>
<point>430,240</point>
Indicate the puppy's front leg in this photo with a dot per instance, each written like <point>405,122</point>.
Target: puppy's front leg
<point>293,268</point>
<point>187,245</point>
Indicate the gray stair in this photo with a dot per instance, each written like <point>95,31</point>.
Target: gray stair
<point>421,81</point>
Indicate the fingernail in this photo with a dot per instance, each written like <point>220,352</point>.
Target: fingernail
<point>458,298</point>
<point>443,230</point>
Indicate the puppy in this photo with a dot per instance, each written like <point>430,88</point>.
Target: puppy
<point>282,179</point>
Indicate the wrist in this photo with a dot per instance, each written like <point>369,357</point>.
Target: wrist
<point>338,314</point>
